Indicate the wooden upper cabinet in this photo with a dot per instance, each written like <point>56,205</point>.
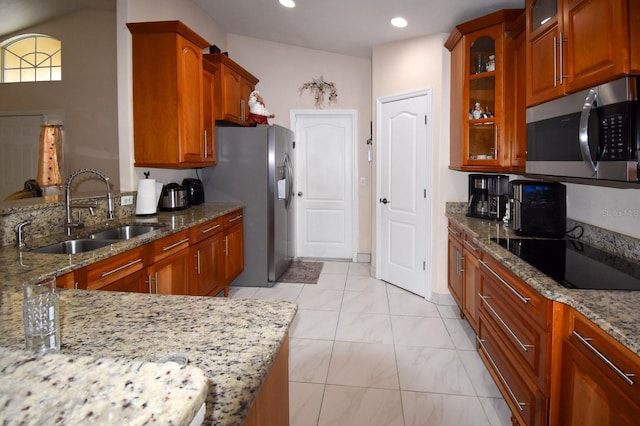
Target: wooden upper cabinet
<point>209,93</point>
<point>235,84</point>
<point>487,130</point>
<point>168,96</point>
<point>575,44</point>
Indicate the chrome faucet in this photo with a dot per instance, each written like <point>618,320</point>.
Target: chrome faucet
<point>20,233</point>
<point>69,224</point>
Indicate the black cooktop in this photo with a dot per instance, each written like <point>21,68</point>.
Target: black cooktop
<point>575,264</point>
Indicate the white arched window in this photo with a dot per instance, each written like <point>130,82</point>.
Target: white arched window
<point>30,57</point>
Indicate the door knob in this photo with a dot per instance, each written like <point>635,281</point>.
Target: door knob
<point>384,201</point>
<point>300,194</point>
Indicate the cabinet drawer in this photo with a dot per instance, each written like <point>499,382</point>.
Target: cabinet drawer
<point>526,341</point>
<point>455,231</point>
<point>518,294</point>
<point>206,230</point>
<point>115,268</point>
<point>167,246</point>
<point>526,401</point>
<point>231,219</point>
<point>618,363</point>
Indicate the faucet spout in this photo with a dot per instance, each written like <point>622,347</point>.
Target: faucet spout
<point>110,202</point>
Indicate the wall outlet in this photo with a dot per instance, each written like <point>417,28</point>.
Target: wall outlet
<point>363,181</point>
<point>126,200</point>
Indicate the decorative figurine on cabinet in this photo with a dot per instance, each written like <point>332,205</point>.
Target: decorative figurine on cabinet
<point>477,111</point>
<point>258,113</point>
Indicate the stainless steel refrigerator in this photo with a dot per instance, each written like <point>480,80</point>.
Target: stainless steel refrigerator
<point>254,168</point>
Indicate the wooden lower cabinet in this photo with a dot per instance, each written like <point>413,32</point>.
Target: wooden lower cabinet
<point>598,378</point>
<point>113,269</point>
<point>471,282</point>
<point>233,253</point>
<point>454,274</point>
<point>171,275</point>
<point>271,406</point>
<point>205,271</point>
<point>137,282</point>
<point>67,280</point>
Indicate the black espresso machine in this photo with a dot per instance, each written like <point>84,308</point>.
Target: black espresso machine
<point>488,196</point>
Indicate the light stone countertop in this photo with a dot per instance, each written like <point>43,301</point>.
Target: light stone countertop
<point>615,311</point>
<point>75,390</point>
<point>233,341</point>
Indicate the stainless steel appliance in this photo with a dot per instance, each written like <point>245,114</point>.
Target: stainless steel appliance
<point>575,264</point>
<point>173,197</point>
<point>195,191</point>
<point>253,167</point>
<point>590,134</point>
<point>488,196</point>
<point>539,208</point>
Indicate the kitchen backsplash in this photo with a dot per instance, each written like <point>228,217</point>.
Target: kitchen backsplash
<point>47,215</point>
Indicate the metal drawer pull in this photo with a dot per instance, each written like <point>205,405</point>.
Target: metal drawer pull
<point>471,246</point>
<point>586,340</point>
<point>217,225</point>
<point>198,261</point>
<point>513,290</point>
<point>120,268</point>
<point>175,244</point>
<point>235,218</point>
<point>454,232</point>
<point>504,324</point>
<point>502,379</point>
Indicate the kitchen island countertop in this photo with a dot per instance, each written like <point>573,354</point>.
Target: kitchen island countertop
<point>615,311</point>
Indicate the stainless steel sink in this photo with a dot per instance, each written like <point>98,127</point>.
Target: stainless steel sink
<point>123,232</point>
<point>73,246</point>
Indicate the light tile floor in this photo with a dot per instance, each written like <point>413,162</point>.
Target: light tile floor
<point>363,352</point>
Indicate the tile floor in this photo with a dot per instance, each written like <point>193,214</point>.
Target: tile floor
<point>363,352</point>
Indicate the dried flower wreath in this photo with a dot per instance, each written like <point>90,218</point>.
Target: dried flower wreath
<point>319,88</point>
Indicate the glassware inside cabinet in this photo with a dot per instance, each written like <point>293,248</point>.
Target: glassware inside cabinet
<point>482,125</point>
<point>482,55</point>
<point>542,11</point>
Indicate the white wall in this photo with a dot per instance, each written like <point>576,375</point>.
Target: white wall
<point>407,66</point>
<point>283,68</point>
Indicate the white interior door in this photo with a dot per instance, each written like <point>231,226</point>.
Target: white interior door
<point>324,184</point>
<point>403,191</point>
<point>19,138</point>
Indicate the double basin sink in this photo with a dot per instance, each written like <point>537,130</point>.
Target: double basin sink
<point>97,239</point>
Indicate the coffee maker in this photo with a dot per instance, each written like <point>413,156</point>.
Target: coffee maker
<point>488,196</point>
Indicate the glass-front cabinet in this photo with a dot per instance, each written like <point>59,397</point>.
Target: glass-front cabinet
<point>485,94</point>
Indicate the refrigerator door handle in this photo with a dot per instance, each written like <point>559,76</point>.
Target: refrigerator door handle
<point>288,176</point>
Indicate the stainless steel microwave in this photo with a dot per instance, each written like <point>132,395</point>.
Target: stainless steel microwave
<point>593,134</point>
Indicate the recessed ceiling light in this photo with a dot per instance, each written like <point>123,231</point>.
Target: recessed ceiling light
<point>399,22</point>
<point>287,3</point>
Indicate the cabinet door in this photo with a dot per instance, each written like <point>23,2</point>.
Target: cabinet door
<point>233,253</point>
<point>588,396</point>
<point>231,95</point>
<point>205,271</point>
<point>190,101</point>
<point>246,87</point>
<point>67,280</point>
<point>114,269</point>
<point>454,276</point>
<point>171,275</point>
<point>471,287</point>
<point>208,119</point>
<point>597,34</point>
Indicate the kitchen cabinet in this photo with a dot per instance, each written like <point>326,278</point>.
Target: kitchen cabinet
<point>514,337</point>
<point>113,272</point>
<point>169,272</point>
<point>233,248</point>
<point>209,93</point>
<point>168,105</point>
<point>67,280</point>
<point>487,77</point>
<point>463,273</point>
<point>234,85</point>
<point>575,44</point>
<point>598,378</point>
<point>206,265</point>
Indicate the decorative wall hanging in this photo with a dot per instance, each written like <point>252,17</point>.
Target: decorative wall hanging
<point>319,88</point>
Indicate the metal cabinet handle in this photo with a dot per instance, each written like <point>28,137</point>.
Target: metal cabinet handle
<point>226,246</point>
<point>235,218</point>
<point>506,284</point>
<point>175,244</point>
<point>454,232</point>
<point>562,76</point>
<point>555,61</point>
<point>206,152</point>
<point>197,256</point>
<point>204,231</point>
<point>519,404</point>
<point>585,341</point>
<point>524,347</point>
<point>120,268</point>
<point>148,281</point>
<point>471,246</point>
<point>156,280</point>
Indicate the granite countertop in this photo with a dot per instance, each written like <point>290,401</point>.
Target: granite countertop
<point>233,341</point>
<point>99,391</point>
<point>615,311</point>
<point>21,266</point>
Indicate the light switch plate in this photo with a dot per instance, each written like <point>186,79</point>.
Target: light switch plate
<point>126,200</point>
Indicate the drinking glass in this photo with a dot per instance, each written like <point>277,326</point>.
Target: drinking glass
<point>41,316</point>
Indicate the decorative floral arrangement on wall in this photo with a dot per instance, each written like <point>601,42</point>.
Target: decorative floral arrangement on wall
<point>319,88</point>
